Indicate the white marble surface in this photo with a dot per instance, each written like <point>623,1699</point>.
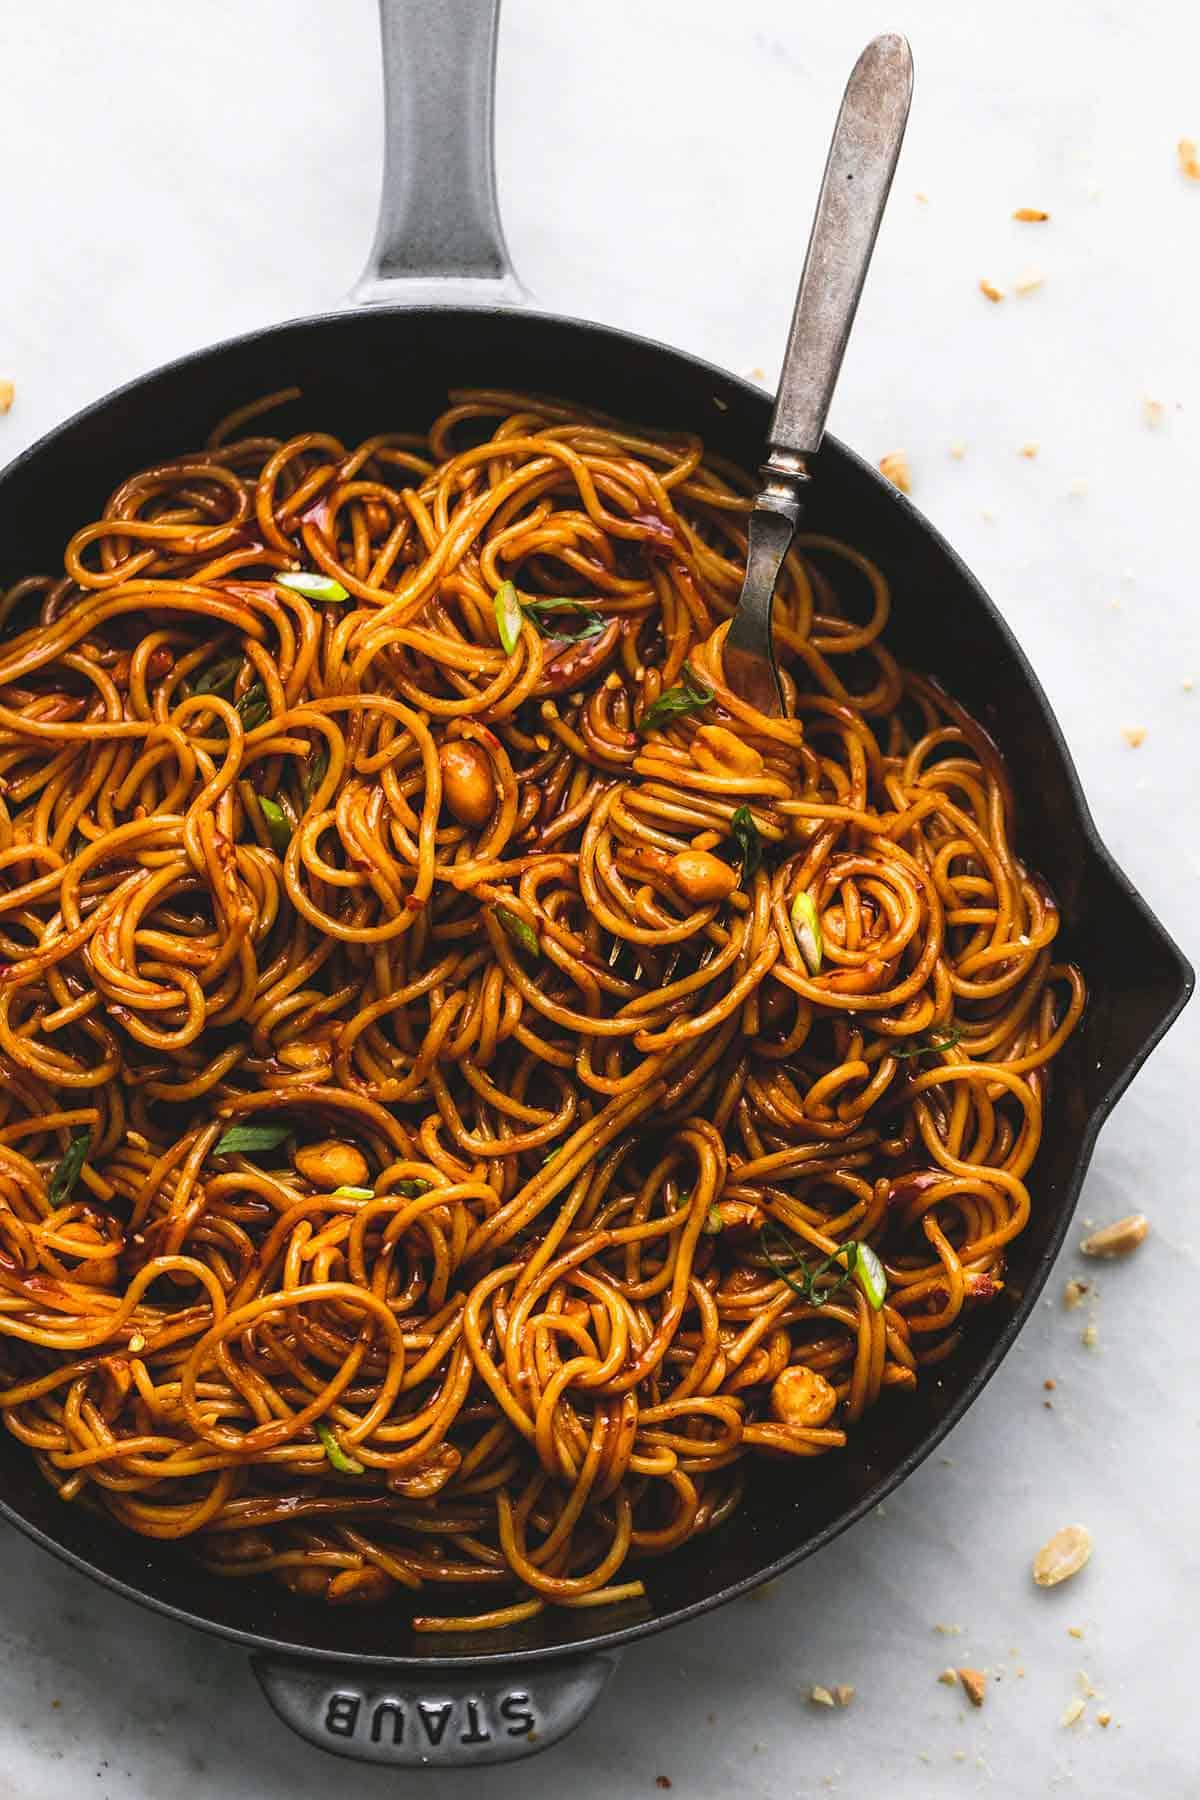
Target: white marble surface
<point>172,175</point>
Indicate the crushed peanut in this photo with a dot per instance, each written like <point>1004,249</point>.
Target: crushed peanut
<point>974,1682</point>
<point>1031,215</point>
<point>958,450</point>
<point>1030,279</point>
<point>1104,1719</point>
<point>842,1694</point>
<point>1153,411</point>
<point>1090,1335</point>
<point>895,467</point>
<point>1073,1294</point>
<point>1134,735</point>
<point>820,1696</point>
<point>1063,1556</point>
<point>1030,449</point>
<point>949,1630</point>
<point>991,291</point>
<point>1121,1238</point>
<point>8,394</point>
<point>948,1678</point>
<point>1075,1631</point>
<point>1074,1712</point>
<point>922,197</point>
<point>1189,158</point>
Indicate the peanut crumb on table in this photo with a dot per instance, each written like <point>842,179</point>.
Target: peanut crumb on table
<point>990,291</point>
<point>1031,215</point>
<point>1074,1712</point>
<point>1029,450</point>
<point>1134,735</point>
<point>1189,160</point>
<point>1153,411</point>
<point>1028,280</point>
<point>974,1685</point>
<point>8,394</point>
<point>895,467</point>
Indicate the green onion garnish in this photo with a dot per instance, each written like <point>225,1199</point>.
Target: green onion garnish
<point>713,1222</point>
<point>806,923</point>
<point>749,843</point>
<point>691,695</point>
<point>267,1136</point>
<point>413,1188</point>
<point>933,1046</point>
<point>353,1193</point>
<point>315,770</point>
<point>219,677</point>
<point>345,1465</point>
<point>70,1165</point>
<point>313,587</point>
<point>278,825</point>
<point>870,1276</point>
<point>592,623</point>
<point>254,706</point>
<point>853,1260</point>
<point>522,935</point>
<point>508,616</point>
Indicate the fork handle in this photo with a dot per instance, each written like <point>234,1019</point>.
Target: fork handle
<point>858,176</point>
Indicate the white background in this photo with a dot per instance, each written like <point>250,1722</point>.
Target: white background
<point>174,174</point>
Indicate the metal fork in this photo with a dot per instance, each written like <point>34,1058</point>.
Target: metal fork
<point>858,176</point>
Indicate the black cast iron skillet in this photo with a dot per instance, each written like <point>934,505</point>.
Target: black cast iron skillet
<point>360,1682</point>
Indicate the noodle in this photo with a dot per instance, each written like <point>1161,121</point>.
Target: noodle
<point>468,1081</point>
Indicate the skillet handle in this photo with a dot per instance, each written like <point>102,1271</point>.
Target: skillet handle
<point>439,236</point>
<point>434,1721</point>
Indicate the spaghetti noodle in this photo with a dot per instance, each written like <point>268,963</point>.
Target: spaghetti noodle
<point>467,1081</point>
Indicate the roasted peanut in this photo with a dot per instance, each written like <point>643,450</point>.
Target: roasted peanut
<point>467,785</point>
<point>358,1587</point>
<point>720,750</point>
<point>302,1053</point>
<point>802,1397</point>
<point>1119,1239</point>
<point>332,1164</point>
<point>736,1219</point>
<point>701,878</point>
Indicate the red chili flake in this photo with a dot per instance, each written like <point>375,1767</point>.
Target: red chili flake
<point>413,904</point>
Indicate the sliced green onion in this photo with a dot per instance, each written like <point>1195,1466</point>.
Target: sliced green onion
<point>933,1046</point>
<point>508,616</point>
<point>413,1188</point>
<point>592,623</point>
<point>806,923</point>
<point>312,586</point>
<point>219,677</point>
<point>70,1166</point>
<point>522,935</point>
<point>713,1222</point>
<point>279,828</point>
<point>749,843</point>
<point>268,1136</point>
<point>345,1465</point>
<point>254,706</point>
<point>353,1193</point>
<point>691,695</point>
<point>869,1274</point>
<point>315,770</point>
